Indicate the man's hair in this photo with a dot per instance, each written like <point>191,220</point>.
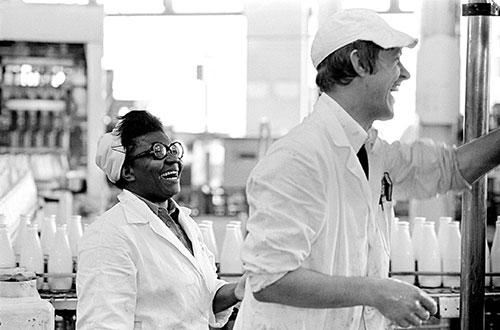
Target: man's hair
<point>132,125</point>
<point>336,68</point>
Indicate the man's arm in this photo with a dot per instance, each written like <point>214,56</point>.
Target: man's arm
<point>400,302</point>
<point>479,156</point>
<point>228,295</point>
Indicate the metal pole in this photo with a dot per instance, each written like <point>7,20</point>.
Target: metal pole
<point>474,203</point>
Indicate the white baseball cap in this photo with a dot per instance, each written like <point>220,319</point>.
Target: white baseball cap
<point>347,26</point>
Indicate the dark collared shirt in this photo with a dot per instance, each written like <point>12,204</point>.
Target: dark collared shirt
<point>170,218</point>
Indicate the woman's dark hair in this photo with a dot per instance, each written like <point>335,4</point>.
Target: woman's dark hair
<point>336,68</point>
<point>132,125</point>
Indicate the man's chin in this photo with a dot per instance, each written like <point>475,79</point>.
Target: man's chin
<point>389,111</point>
<point>387,116</point>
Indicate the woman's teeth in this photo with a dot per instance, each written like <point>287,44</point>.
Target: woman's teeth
<point>170,175</point>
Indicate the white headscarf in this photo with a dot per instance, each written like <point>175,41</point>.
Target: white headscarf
<point>110,155</point>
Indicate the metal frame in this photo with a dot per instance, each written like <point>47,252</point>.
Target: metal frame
<point>472,293</point>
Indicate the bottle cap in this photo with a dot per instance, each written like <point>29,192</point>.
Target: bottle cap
<point>445,219</point>
<point>420,219</point>
<point>50,216</point>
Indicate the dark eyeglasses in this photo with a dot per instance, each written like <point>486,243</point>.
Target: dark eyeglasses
<point>160,151</point>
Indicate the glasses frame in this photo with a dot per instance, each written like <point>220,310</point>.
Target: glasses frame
<point>150,151</point>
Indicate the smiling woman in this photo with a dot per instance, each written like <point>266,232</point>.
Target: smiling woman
<point>150,176</point>
<point>146,253</point>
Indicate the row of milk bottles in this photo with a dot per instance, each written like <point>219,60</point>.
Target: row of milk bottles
<point>435,250</point>
<point>228,258</point>
<point>52,249</point>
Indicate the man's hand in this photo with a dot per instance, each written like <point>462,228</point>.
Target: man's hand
<point>403,303</point>
<point>239,290</point>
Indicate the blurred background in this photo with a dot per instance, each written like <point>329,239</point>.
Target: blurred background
<point>226,77</point>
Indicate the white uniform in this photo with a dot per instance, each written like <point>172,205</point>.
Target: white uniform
<point>311,206</point>
<point>133,273</point>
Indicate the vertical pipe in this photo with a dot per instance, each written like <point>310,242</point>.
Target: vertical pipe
<point>474,202</point>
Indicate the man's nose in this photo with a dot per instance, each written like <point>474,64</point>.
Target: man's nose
<point>404,74</point>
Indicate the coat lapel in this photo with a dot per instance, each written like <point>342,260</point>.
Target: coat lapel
<point>136,211</point>
<point>348,158</point>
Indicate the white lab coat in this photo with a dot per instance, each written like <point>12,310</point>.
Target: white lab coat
<point>311,206</point>
<point>133,273</point>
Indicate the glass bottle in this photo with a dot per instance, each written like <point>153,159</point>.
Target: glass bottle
<point>429,259</point>
<point>442,220</point>
<point>416,237</point>
<point>208,235</point>
<point>31,253</point>
<point>495,255</point>
<point>39,133</point>
<point>44,128</point>
<point>47,233</point>
<point>451,255</point>
<point>60,262</point>
<point>237,223</point>
<point>442,231</point>
<point>24,220</point>
<point>394,229</point>
<point>65,204</point>
<point>442,235</point>
<point>230,256</point>
<point>402,257</point>
<point>416,221</point>
<point>7,256</point>
<point>51,131</point>
<point>75,231</point>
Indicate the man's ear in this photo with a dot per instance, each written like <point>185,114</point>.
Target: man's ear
<point>127,173</point>
<point>356,63</point>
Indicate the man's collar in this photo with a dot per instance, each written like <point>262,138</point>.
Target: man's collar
<point>356,135</point>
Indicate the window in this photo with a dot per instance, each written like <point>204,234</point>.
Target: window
<point>377,5</point>
<point>189,70</point>
<point>132,6</point>
<point>67,2</point>
<point>207,6</point>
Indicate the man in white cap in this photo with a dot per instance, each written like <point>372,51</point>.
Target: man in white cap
<point>143,264</point>
<point>317,249</point>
